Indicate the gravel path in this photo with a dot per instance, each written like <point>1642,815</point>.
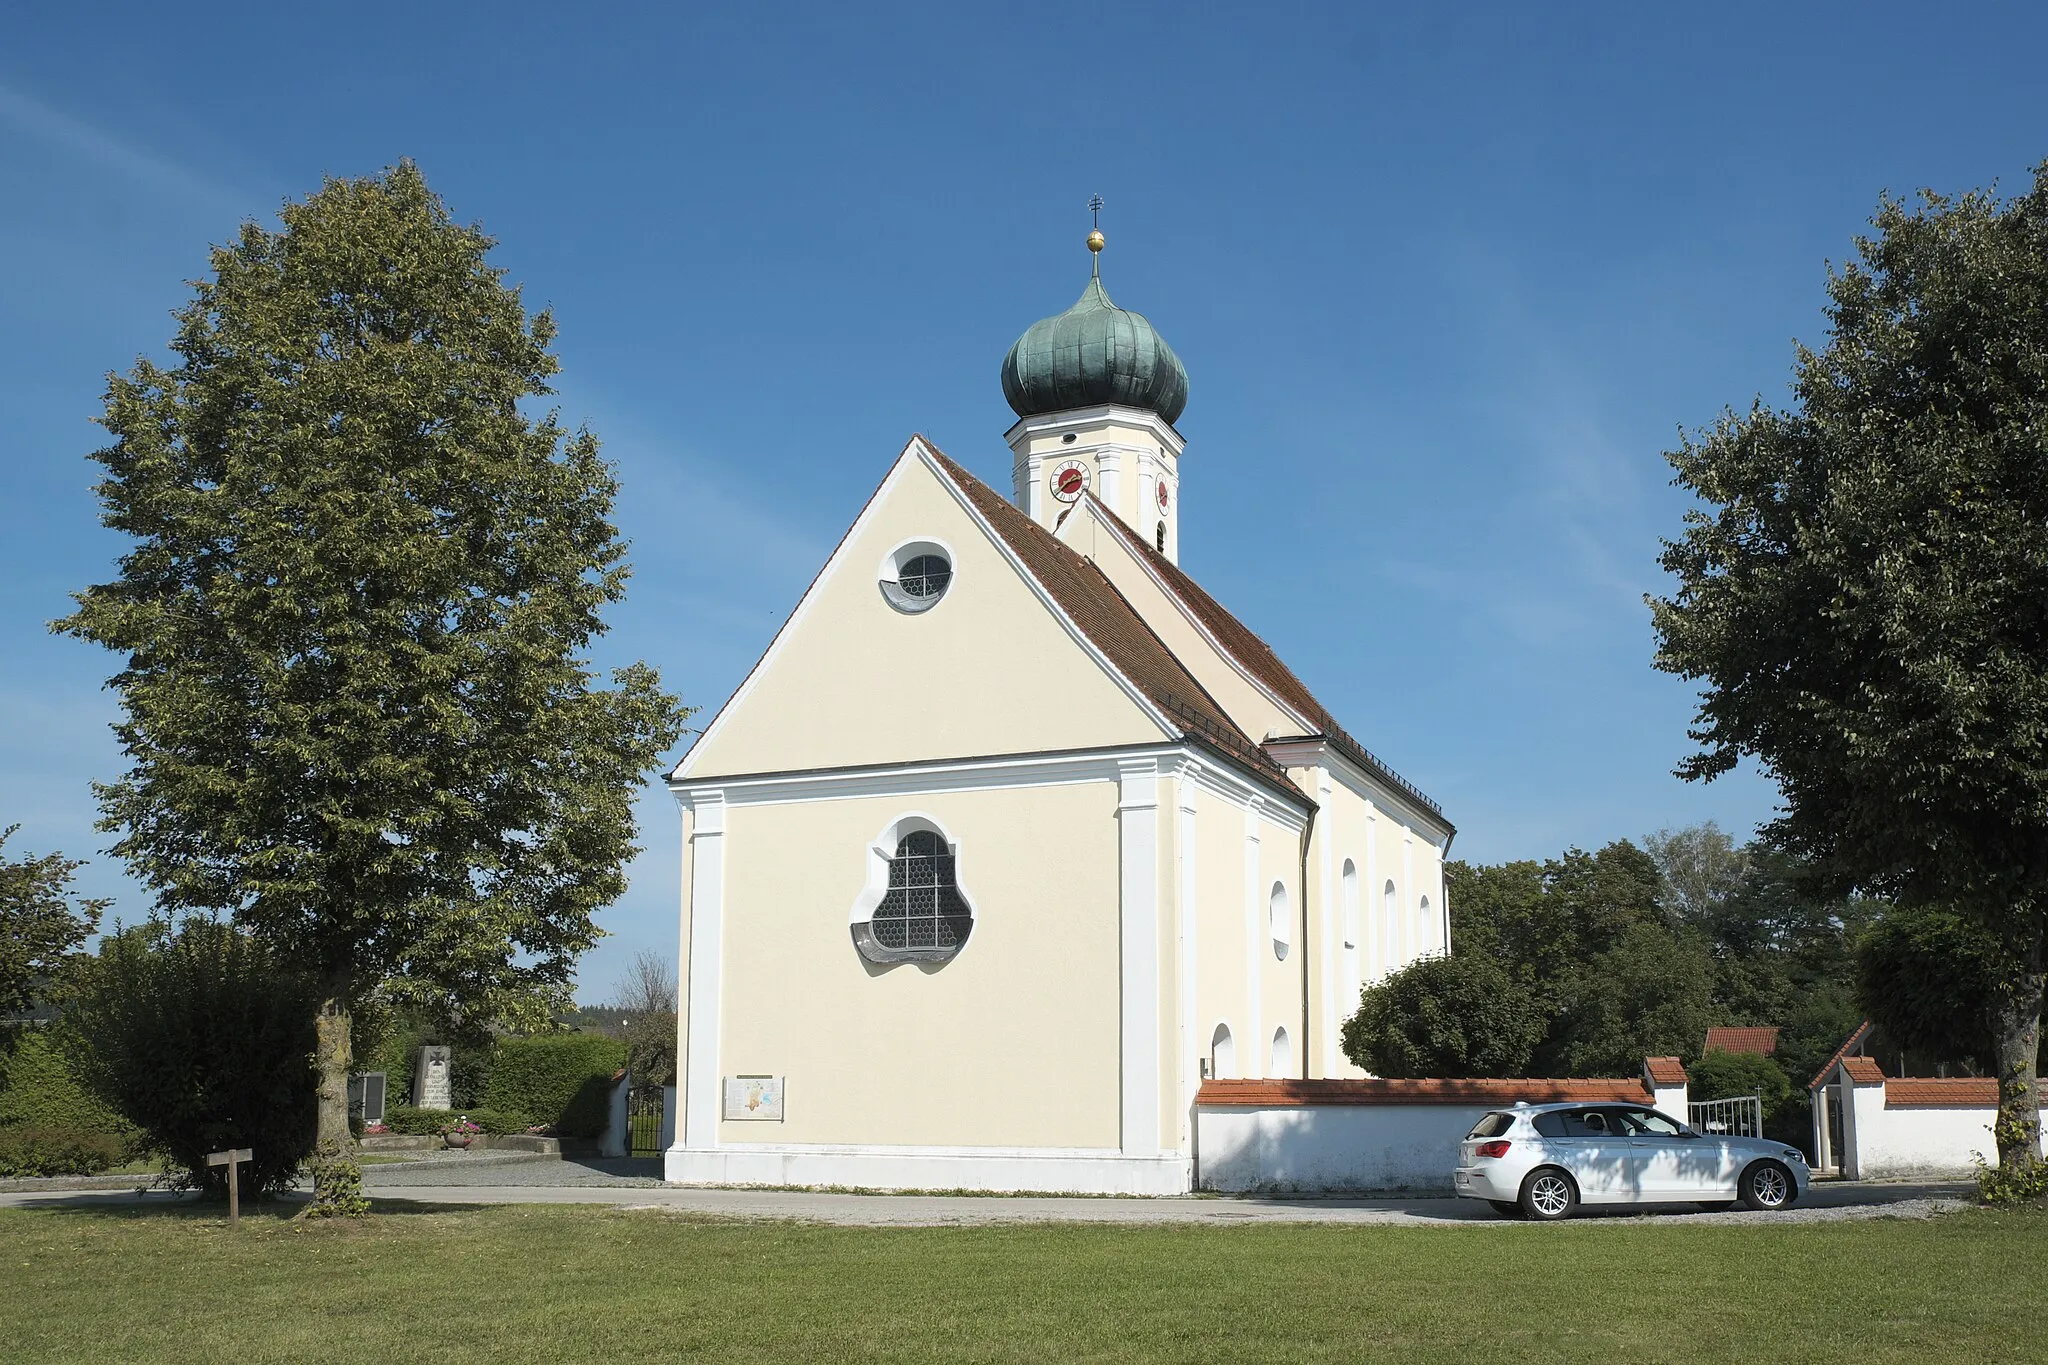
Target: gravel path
<point>515,1178</point>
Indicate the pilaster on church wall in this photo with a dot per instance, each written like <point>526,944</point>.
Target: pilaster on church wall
<point>688,824</point>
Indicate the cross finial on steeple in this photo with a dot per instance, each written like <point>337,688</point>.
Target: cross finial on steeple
<point>1095,238</point>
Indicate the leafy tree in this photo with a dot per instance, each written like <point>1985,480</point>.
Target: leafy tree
<point>1651,994</point>
<point>1865,595</point>
<point>202,1038</point>
<point>40,925</point>
<point>354,700</point>
<point>646,999</point>
<point>1926,978</point>
<point>1445,1016</point>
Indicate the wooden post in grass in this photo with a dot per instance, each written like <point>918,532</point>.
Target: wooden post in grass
<point>232,1159</point>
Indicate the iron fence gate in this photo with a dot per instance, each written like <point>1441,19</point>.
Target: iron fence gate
<point>643,1120</point>
<point>1742,1116</point>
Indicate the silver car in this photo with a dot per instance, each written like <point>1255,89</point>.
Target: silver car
<point>1544,1160</point>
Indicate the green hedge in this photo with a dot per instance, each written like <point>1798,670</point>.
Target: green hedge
<point>38,1090</point>
<point>403,1118</point>
<point>31,1149</point>
<point>560,1079</point>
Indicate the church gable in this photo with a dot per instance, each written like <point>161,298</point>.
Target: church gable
<point>923,637</point>
<point>1256,708</point>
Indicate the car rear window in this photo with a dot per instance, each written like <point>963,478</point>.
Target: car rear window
<point>1493,1125</point>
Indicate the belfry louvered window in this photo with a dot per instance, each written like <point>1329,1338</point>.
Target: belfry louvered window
<point>923,913</point>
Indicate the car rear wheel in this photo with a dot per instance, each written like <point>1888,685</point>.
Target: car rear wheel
<point>1548,1195</point>
<point>1767,1185</point>
<point>1506,1208</point>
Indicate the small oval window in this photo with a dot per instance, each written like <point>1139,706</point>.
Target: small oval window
<point>926,576</point>
<point>915,576</point>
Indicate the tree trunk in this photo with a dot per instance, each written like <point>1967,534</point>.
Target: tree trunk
<point>2016,1024</point>
<point>331,1054</point>
<point>337,1176</point>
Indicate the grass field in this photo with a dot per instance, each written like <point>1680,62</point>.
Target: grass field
<point>580,1284</point>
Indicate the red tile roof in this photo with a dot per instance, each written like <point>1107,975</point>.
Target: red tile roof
<point>1665,1071</point>
<point>1284,1094</point>
<point>1760,1041</point>
<point>1853,1040</point>
<point>1862,1071</point>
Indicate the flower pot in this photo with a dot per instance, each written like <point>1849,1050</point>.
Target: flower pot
<point>458,1140</point>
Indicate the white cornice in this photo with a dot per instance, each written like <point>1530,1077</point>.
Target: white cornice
<point>1075,419</point>
<point>1314,750</point>
<point>1109,766</point>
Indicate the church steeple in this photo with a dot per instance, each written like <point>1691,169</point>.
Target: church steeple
<point>1097,391</point>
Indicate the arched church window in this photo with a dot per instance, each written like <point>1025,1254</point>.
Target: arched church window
<point>1162,537</point>
<point>1283,1053</point>
<point>1222,1054</point>
<point>920,913</point>
<point>1349,881</point>
<point>1390,919</point>
<point>916,575</point>
<point>1279,920</point>
<point>1424,930</point>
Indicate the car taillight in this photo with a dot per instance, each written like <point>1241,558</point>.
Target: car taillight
<point>1497,1148</point>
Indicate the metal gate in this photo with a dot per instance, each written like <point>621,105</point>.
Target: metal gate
<point>1742,1116</point>
<point>643,1120</point>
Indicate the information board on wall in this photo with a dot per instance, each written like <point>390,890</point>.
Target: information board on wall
<point>753,1097</point>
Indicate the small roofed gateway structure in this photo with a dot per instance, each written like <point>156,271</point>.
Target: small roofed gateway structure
<point>1015,835</point>
<point>1761,1042</point>
<point>1869,1126</point>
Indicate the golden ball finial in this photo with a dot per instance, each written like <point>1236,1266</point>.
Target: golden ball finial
<point>1095,240</point>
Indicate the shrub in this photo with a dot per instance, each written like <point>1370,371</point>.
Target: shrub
<point>404,1118</point>
<point>38,1090</point>
<point>1445,1016</point>
<point>560,1079</point>
<point>204,1040</point>
<point>32,1149</point>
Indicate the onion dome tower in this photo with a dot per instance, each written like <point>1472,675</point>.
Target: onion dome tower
<point>1096,391</point>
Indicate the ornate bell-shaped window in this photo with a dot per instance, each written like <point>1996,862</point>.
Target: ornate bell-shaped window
<point>922,917</point>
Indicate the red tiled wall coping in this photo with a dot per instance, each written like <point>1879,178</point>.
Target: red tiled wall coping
<point>1665,1070</point>
<point>1944,1092</point>
<point>1292,1094</point>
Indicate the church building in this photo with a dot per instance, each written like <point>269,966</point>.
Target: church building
<point>1015,834</point>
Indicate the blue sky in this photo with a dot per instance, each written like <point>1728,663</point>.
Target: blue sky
<point>1446,284</point>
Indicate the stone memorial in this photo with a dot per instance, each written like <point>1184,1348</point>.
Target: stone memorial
<point>430,1088</point>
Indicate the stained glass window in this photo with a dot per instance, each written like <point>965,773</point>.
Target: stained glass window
<point>923,910</point>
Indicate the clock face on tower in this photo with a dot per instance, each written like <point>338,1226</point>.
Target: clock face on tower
<point>1068,480</point>
<point>1164,497</point>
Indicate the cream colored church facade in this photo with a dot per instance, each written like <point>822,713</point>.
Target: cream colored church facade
<point>1014,834</point>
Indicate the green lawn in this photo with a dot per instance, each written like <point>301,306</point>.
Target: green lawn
<point>544,1284</point>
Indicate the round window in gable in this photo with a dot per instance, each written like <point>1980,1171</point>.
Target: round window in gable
<point>916,575</point>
